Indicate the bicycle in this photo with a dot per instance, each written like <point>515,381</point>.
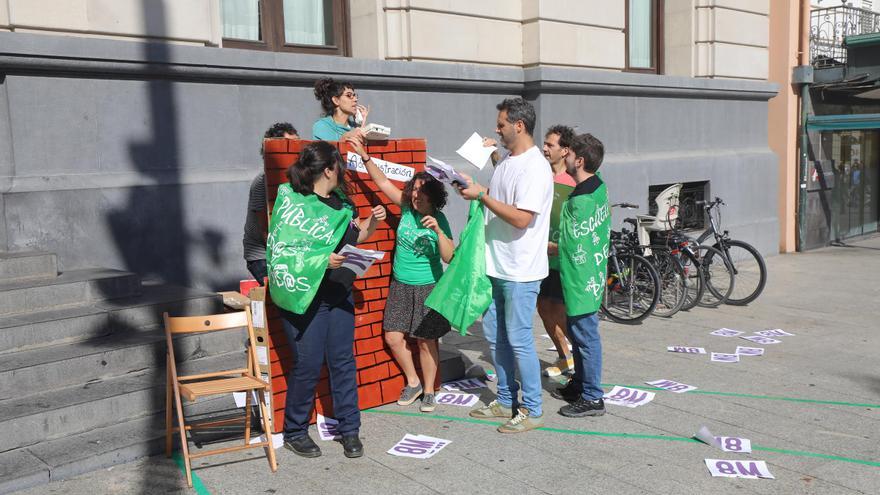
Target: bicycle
<point>632,286</point>
<point>745,261</point>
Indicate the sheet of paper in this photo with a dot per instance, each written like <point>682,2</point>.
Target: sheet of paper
<point>760,339</point>
<point>628,397</point>
<point>474,152</point>
<point>735,444</point>
<point>240,397</point>
<point>553,348</point>
<point>726,332</point>
<point>262,354</point>
<point>706,436</point>
<point>277,440</point>
<point>672,386</point>
<point>257,314</point>
<point>418,446</point>
<point>775,333</point>
<point>444,172</point>
<point>738,469</point>
<point>359,260</point>
<point>749,351</point>
<point>721,357</point>
<point>466,384</point>
<point>457,399</point>
<point>394,171</point>
<point>686,350</point>
<point>327,428</point>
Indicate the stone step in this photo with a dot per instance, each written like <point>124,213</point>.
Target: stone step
<point>77,323</point>
<point>74,287</point>
<point>121,353</point>
<point>34,418</point>
<point>70,456</point>
<point>27,265</point>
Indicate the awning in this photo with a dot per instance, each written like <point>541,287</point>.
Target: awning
<point>843,122</point>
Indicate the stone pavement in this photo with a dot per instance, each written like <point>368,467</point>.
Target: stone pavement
<point>810,405</point>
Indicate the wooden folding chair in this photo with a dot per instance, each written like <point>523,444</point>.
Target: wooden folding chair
<point>192,387</point>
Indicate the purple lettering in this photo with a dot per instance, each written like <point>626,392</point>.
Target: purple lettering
<point>749,469</point>
<point>725,467</point>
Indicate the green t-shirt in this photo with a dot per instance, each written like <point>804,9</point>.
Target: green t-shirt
<point>326,129</point>
<point>417,255</point>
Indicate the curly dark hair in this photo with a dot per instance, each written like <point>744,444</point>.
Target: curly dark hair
<point>565,133</point>
<point>326,88</point>
<point>431,187</point>
<point>279,129</point>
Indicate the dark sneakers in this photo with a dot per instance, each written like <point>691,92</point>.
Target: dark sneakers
<point>352,446</point>
<point>583,407</point>
<point>303,446</point>
<point>569,393</point>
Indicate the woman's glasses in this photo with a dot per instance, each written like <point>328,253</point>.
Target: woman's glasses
<point>351,95</point>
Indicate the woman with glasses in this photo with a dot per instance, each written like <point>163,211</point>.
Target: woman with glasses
<point>340,105</point>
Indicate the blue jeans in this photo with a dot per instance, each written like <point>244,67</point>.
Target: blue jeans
<point>586,349</point>
<point>512,343</point>
<point>325,331</point>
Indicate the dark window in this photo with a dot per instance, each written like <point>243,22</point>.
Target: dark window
<point>303,26</point>
<point>690,215</point>
<point>644,36</point>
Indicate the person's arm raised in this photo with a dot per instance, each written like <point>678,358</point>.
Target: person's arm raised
<point>379,178</point>
<point>509,213</point>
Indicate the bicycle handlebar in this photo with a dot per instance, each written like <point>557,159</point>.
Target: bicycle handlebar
<point>709,204</point>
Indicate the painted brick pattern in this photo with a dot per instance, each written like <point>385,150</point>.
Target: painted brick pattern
<point>379,377</point>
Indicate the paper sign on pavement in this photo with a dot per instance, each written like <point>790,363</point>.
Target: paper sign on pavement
<point>241,397</point>
<point>749,351</point>
<point>686,350</point>
<point>721,357</point>
<point>466,384</point>
<point>628,397</point>
<point>327,428</point>
<point>277,440</point>
<point>735,444</point>
<point>359,260</point>
<point>726,332</point>
<point>474,152</point>
<point>774,333</point>
<point>760,339</point>
<point>672,386</point>
<point>738,469</point>
<point>706,436</point>
<point>418,446</point>
<point>457,399</point>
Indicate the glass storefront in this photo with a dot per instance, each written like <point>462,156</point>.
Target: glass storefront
<point>855,160</point>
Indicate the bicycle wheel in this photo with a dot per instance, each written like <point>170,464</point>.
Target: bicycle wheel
<point>748,269</point>
<point>673,285</point>
<point>693,277</point>
<point>717,276</point>
<point>632,292</point>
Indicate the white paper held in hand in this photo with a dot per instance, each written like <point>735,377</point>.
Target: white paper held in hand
<point>444,172</point>
<point>359,260</point>
<point>474,152</point>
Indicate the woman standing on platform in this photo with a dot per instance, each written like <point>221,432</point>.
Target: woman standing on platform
<point>423,240</point>
<point>311,221</point>
<point>340,105</point>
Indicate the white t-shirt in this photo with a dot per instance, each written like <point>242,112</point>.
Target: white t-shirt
<point>526,182</point>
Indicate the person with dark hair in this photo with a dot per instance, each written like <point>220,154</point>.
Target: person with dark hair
<point>518,201</point>
<point>585,227</point>
<point>424,239</point>
<point>340,107</point>
<point>255,228</point>
<point>311,221</point>
<point>551,308</point>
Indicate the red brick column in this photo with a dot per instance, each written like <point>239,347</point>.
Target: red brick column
<point>379,377</point>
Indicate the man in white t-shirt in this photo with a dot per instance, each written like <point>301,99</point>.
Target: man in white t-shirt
<point>518,203</point>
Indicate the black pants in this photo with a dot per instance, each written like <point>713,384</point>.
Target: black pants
<point>258,270</point>
<point>324,331</point>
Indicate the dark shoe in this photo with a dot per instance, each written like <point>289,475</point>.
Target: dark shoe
<point>569,393</point>
<point>303,446</point>
<point>583,407</point>
<point>352,446</point>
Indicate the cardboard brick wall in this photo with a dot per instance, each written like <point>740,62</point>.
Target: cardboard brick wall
<point>379,378</point>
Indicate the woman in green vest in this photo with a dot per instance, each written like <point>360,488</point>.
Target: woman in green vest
<point>424,242</point>
<point>311,221</point>
<point>341,119</point>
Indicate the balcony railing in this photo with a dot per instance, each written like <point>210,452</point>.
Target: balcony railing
<point>829,27</point>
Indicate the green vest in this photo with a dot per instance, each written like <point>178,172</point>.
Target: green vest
<point>302,234</point>
<point>560,194</point>
<point>585,229</point>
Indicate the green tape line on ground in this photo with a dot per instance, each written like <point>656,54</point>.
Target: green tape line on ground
<point>751,396</point>
<point>636,436</point>
<point>198,486</point>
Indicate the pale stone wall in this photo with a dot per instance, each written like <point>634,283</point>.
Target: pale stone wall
<point>732,38</point>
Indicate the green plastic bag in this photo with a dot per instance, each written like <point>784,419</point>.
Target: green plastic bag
<point>464,292</point>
